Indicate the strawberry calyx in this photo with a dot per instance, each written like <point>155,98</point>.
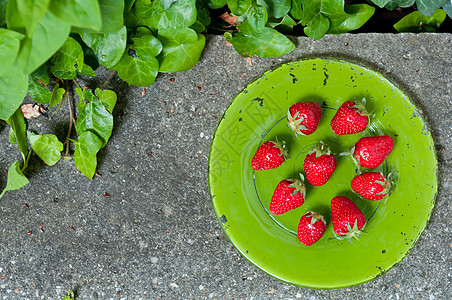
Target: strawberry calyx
<point>295,124</point>
<point>386,184</point>
<point>282,148</point>
<point>360,108</point>
<point>299,186</point>
<point>320,149</point>
<point>315,217</point>
<point>352,232</point>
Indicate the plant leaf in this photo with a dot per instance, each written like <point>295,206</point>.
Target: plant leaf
<point>112,15</point>
<point>180,14</point>
<point>357,16</point>
<point>216,4</point>
<point>42,73</point>
<point>107,98</point>
<point>16,179</point>
<point>46,146</point>
<point>9,48</point>
<point>428,7</point>
<point>57,95</point>
<point>239,7</point>
<point>37,91</point>
<point>278,8</point>
<point>296,10</point>
<point>13,84</point>
<point>448,8</point>
<point>3,13</point>
<point>267,43</point>
<point>380,3</point>
<point>50,34</point>
<point>85,155</point>
<point>13,18</point>
<point>68,60</point>
<point>138,65</point>
<point>416,22</point>
<point>393,4</point>
<point>257,17</point>
<point>181,49</point>
<point>31,12</point>
<point>78,13</point>
<point>19,127</point>
<point>108,47</point>
<point>87,71</point>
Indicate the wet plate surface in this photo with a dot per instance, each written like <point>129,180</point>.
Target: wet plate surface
<point>241,197</point>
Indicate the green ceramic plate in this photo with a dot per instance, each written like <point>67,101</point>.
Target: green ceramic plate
<point>241,197</point>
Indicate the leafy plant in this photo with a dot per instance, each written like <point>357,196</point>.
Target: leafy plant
<point>417,22</point>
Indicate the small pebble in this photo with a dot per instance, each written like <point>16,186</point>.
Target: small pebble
<point>154,260</point>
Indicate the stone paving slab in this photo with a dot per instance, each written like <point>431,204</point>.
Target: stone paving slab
<point>145,229</point>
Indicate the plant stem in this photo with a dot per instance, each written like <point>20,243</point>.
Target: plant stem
<point>71,123</point>
<point>108,79</point>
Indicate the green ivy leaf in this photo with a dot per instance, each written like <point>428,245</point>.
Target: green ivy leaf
<point>78,13</point>
<point>138,65</point>
<point>257,17</point>
<point>50,34</point>
<point>357,16</point>
<point>179,14</point>
<point>3,13</point>
<point>285,21</point>
<point>68,60</point>
<point>216,4</point>
<point>42,73</point>
<point>85,155</point>
<point>37,91</point>
<point>380,3</point>
<point>428,7</point>
<point>19,127</point>
<point>13,84</point>
<point>16,179</point>
<point>278,8</point>
<point>108,47</point>
<point>87,71</point>
<point>31,12</point>
<point>416,22</point>
<point>448,8</point>
<point>239,7</point>
<point>267,43</point>
<point>112,15</point>
<point>393,4</point>
<point>13,18</point>
<point>9,48</point>
<point>46,146</point>
<point>107,98</point>
<point>316,22</point>
<point>296,10</point>
<point>57,95</point>
<point>166,3</point>
<point>181,49</point>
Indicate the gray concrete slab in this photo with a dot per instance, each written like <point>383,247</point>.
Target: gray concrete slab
<point>146,228</point>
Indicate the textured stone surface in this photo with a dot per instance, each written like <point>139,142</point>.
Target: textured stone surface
<point>146,228</point>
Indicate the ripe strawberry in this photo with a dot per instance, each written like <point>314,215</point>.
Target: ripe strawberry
<point>370,152</point>
<point>311,228</point>
<point>319,165</point>
<point>289,194</point>
<point>350,118</point>
<point>372,185</point>
<point>304,117</point>
<point>269,155</point>
<point>348,219</point>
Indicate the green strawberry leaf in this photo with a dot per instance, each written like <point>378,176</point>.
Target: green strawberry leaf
<point>108,47</point>
<point>68,60</point>
<point>279,8</point>
<point>49,35</point>
<point>107,98</point>
<point>428,7</point>
<point>178,14</point>
<point>85,155</point>
<point>416,22</point>
<point>181,49</point>
<point>31,12</point>
<point>239,7</point>
<point>9,48</point>
<point>13,87</point>
<point>16,179</point>
<point>138,65</point>
<point>19,127</point>
<point>267,43</point>
<point>393,4</point>
<point>78,13</point>
<point>37,91</point>
<point>57,95</point>
<point>46,146</point>
<point>257,17</point>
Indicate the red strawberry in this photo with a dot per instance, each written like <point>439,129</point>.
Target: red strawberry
<point>348,219</point>
<point>304,117</point>
<point>350,118</point>
<point>319,165</point>
<point>289,194</point>
<point>370,152</point>
<point>269,155</point>
<point>311,228</point>
<point>372,185</point>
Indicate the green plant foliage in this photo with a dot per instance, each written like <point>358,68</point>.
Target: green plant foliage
<point>416,22</point>
<point>19,128</point>
<point>31,12</point>
<point>257,17</point>
<point>68,60</point>
<point>267,43</point>
<point>448,8</point>
<point>13,88</point>
<point>357,16</point>
<point>138,65</point>
<point>112,15</point>
<point>181,49</point>
<point>16,179</point>
<point>57,96</point>
<point>239,7</point>
<point>9,48</point>
<point>3,13</point>
<point>46,146</point>
<point>85,155</point>
<point>279,8</point>
<point>393,4</point>
<point>37,91</point>
<point>380,3</point>
<point>78,13</point>
<point>107,98</point>
<point>428,7</point>
<point>173,14</point>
